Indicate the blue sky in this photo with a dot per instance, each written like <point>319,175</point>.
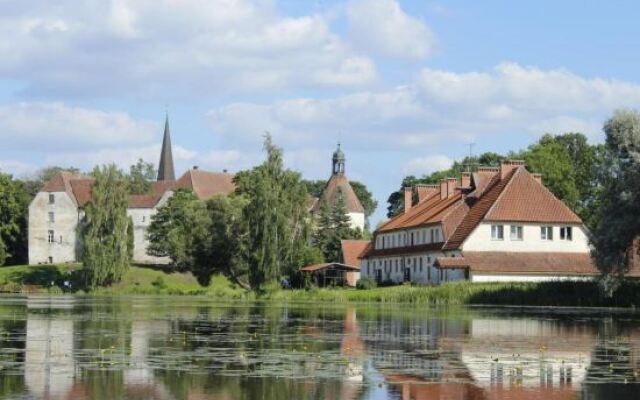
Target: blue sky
<point>404,85</point>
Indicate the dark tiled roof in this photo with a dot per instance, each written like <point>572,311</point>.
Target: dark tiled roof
<point>549,263</point>
<point>331,190</point>
<point>351,250</point>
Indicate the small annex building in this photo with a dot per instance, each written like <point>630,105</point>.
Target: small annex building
<point>495,224</point>
<point>57,210</point>
<point>343,273</point>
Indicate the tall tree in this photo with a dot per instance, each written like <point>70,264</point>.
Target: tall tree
<point>14,207</point>
<point>179,230</point>
<point>323,233</point>
<point>141,177</point>
<point>106,254</point>
<point>277,218</point>
<point>619,224</point>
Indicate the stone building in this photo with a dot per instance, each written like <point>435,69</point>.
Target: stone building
<point>496,224</point>
<point>338,184</point>
<point>56,211</point>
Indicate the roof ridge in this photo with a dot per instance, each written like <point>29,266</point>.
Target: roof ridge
<point>516,171</point>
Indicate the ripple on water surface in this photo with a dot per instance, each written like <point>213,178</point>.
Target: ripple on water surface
<point>192,348</point>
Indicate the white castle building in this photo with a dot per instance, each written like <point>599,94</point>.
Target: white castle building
<point>57,210</point>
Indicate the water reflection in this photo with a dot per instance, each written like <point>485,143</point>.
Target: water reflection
<point>192,349</point>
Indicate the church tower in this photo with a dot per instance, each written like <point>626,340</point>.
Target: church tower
<point>165,167</point>
<point>338,161</point>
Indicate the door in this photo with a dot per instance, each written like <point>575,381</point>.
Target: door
<point>407,274</point>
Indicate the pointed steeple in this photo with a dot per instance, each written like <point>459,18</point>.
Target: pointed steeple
<point>165,167</point>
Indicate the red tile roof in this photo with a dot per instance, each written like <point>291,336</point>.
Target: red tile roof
<point>206,184</point>
<point>351,250</point>
<point>490,262</point>
<point>432,210</point>
<point>524,199</point>
<point>330,194</point>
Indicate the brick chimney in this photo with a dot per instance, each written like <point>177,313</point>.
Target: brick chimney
<point>509,165</point>
<point>408,199</point>
<point>425,190</point>
<point>537,177</point>
<point>443,189</point>
<point>465,181</point>
<point>452,184</point>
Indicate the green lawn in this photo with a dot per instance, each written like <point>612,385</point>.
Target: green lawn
<point>144,280</point>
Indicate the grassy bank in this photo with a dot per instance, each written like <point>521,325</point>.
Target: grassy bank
<point>139,280</point>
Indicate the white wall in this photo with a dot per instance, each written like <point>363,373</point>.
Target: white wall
<point>65,247</point>
<point>141,220</point>
<point>428,274</point>
<point>480,239</point>
<point>525,278</point>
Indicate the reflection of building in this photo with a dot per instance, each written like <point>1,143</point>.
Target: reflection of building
<point>496,224</point>
<point>49,367</point>
<point>57,210</point>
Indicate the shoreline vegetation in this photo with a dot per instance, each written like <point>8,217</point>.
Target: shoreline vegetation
<point>140,280</point>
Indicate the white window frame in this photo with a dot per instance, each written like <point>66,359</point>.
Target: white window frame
<point>546,233</point>
<point>51,216</point>
<point>516,233</point>
<point>497,232</point>
<point>51,236</point>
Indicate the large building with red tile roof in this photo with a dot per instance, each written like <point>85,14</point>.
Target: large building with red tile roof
<point>56,211</point>
<point>495,224</point>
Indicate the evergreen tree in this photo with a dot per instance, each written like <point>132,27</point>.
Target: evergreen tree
<point>104,229</point>
<point>340,228</point>
<point>323,234</point>
<point>277,218</point>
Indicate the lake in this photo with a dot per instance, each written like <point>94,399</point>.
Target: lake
<point>187,348</point>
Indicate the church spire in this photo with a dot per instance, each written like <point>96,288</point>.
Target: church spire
<point>165,168</point>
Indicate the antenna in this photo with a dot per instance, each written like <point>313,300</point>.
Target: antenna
<point>469,163</point>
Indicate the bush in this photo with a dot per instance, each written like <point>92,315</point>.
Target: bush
<point>159,283</point>
<point>366,283</point>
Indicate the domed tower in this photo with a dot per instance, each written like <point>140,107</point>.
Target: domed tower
<point>339,184</point>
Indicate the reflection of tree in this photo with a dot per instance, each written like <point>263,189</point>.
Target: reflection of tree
<point>11,355</point>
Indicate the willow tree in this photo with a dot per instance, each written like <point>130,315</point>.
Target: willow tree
<point>106,255</point>
<point>277,218</point>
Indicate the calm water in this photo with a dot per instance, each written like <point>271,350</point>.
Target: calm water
<point>185,348</point>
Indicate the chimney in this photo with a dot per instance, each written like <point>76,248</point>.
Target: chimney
<point>465,181</point>
<point>452,184</point>
<point>408,199</point>
<point>509,165</point>
<point>425,190</point>
<point>443,189</point>
<point>538,178</point>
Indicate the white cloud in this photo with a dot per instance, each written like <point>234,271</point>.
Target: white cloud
<point>17,168</point>
<point>54,126</point>
<point>425,165</point>
<point>168,48</point>
<point>382,27</point>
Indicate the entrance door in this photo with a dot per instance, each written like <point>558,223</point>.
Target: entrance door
<point>407,274</point>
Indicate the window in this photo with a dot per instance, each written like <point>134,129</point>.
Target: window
<point>420,264</point>
<point>546,232</point>
<point>60,239</point>
<point>52,198</point>
<point>50,236</point>
<point>432,236</point>
<point>144,218</point>
<point>52,217</point>
<point>412,238</point>
<point>497,232</point>
<point>516,232</point>
<point>566,233</point>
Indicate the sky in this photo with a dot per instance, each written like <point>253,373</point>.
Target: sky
<point>404,85</point>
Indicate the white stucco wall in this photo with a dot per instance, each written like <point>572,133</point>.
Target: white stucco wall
<point>141,220</point>
<point>65,247</point>
<point>480,239</point>
<point>525,278</point>
<point>356,220</point>
<point>428,274</point>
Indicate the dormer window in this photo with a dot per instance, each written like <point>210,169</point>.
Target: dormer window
<point>566,233</point>
<point>497,232</point>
